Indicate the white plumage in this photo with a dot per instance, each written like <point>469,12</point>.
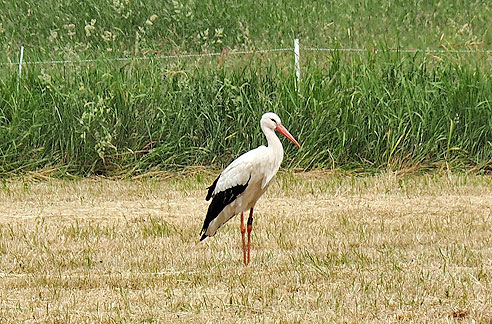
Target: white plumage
<point>241,184</point>
<point>252,168</point>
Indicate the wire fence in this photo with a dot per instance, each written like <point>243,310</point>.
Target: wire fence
<point>295,50</point>
<point>249,52</point>
<point>158,57</point>
<point>398,50</point>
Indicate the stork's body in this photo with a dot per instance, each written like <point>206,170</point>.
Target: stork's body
<point>241,184</point>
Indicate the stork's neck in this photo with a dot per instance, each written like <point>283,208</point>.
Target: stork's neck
<point>274,145</point>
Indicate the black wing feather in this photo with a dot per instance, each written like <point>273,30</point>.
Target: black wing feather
<point>211,189</point>
<point>219,201</point>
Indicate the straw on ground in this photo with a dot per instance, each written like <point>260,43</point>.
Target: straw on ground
<point>329,248</point>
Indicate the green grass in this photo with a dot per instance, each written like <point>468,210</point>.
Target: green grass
<point>354,110</point>
<point>372,111</point>
<point>72,28</point>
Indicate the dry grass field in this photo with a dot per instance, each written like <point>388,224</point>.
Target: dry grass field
<point>326,248</point>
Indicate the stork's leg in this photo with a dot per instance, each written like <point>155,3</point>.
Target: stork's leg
<point>243,230</point>
<point>250,227</point>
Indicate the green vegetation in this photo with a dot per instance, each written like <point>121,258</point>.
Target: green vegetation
<point>88,28</point>
<point>354,110</point>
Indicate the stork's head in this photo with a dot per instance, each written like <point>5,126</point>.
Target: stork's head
<point>272,121</point>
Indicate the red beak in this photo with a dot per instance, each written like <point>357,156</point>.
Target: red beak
<point>282,130</point>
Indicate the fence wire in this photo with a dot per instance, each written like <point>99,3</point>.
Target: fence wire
<point>156,57</point>
<point>397,50</point>
<point>248,52</point>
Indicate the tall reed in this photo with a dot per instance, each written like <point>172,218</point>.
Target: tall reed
<point>367,111</point>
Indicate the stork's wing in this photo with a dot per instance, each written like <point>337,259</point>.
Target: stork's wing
<point>238,172</point>
<point>220,200</point>
<point>230,184</point>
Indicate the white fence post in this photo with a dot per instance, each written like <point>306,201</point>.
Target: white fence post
<point>298,67</point>
<point>21,56</point>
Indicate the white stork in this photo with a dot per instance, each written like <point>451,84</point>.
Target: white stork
<point>239,186</point>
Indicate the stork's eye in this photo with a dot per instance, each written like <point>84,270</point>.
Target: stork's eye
<point>273,120</point>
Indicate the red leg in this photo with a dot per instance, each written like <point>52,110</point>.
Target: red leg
<point>243,230</point>
<point>250,228</point>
